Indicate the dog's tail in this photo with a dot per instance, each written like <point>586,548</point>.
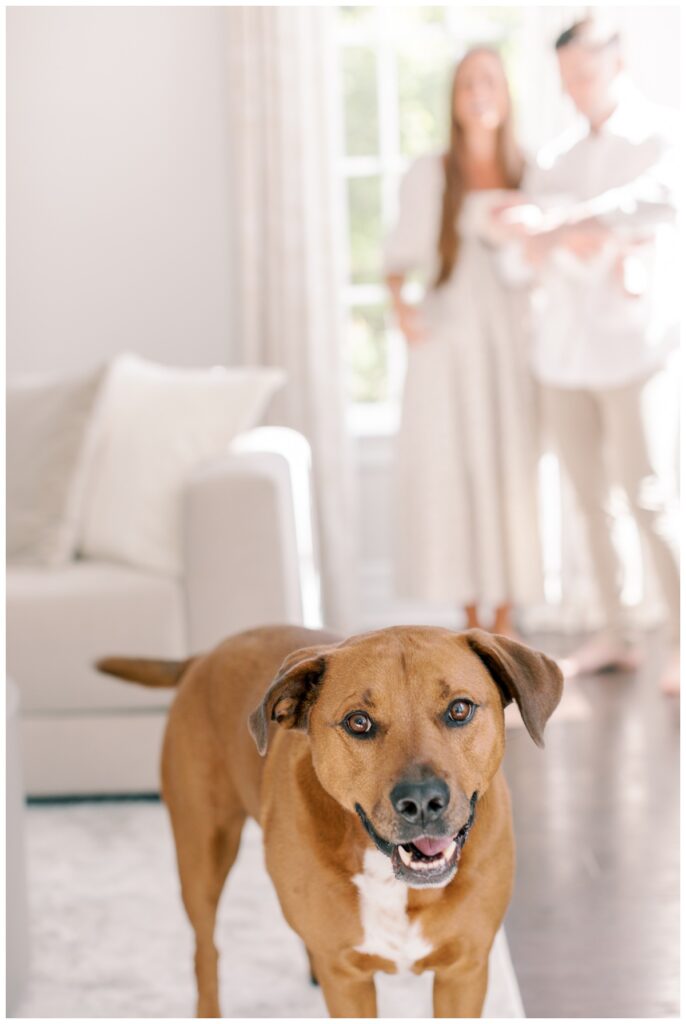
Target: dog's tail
<point>146,671</point>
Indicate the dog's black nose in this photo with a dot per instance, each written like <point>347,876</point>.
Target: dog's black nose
<point>420,802</point>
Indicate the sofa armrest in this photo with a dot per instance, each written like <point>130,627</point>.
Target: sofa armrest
<point>248,539</point>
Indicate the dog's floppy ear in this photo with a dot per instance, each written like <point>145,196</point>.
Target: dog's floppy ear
<point>291,695</point>
<point>530,678</point>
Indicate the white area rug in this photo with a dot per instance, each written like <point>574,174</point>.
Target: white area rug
<point>110,937</point>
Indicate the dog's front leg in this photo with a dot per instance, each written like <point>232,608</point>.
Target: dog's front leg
<point>460,990</point>
<point>348,991</point>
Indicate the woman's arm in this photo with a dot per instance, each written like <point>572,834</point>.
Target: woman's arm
<point>407,315</point>
<point>411,244</point>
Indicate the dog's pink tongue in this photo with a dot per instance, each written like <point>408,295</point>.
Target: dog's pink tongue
<point>430,847</point>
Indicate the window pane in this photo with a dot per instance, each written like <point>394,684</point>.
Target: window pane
<point>361,101</point>
<point>486,24</point>
<point>423,93</point>
<point>367,354</point>
<point>408,20</point>
<point>364,211</point>
<point>357,17</point>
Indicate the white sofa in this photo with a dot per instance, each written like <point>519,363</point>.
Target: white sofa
<point>248,560</point>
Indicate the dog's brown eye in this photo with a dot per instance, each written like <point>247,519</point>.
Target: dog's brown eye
<point>460,711</point>
<point>358,723</point>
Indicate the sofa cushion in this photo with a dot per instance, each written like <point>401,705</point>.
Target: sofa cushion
<point>157,425</point>
<point>48,436</point>
<point>60,621</point>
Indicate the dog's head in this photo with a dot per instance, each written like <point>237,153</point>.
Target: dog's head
<point>407,731</point>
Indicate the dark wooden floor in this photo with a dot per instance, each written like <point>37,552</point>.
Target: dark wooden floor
<point>594,923</point>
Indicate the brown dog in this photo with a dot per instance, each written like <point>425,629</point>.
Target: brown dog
<point>386,816</point>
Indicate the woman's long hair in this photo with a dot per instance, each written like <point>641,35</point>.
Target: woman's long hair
<point>508,157</point>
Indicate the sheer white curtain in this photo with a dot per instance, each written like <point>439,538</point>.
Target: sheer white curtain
<point>285,133</point>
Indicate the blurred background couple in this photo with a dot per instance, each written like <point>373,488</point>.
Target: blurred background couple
<point>549,312</point>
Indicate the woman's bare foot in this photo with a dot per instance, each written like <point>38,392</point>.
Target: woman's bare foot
<point>670,679</point>
<point>511,632</point>
<point>503,624</point>
<point>471,612</point>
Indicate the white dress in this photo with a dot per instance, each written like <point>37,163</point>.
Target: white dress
<point>467,452</point>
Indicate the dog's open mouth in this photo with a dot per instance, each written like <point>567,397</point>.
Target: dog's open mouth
<point>426,860</point>
<point>421,861</point>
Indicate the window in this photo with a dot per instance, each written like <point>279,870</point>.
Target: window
<point>396,66</point>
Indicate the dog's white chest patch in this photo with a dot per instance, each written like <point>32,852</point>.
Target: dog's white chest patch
<point>388,931</point>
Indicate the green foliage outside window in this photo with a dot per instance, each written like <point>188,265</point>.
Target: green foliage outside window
<point>360,97</point>
<point>423,87</point>
<point>367,354</point>
<point>364,211</point>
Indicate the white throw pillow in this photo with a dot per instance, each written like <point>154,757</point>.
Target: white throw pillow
<point>49,430</point>
<point>155,426</point>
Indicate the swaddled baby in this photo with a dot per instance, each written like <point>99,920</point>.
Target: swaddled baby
<point>583,252</point>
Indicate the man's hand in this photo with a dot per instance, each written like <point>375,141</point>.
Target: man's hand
<point>540,232</point>
<point>516,217</point>
<point>536,248</point>
<point>525,220</point>
<point>585,241</point>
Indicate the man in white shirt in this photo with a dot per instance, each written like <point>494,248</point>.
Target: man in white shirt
<point>599,238</point>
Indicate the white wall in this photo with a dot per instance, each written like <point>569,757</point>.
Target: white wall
<point>653,49</point>
<point>118,186</point>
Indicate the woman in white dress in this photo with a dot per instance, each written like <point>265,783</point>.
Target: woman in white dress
<point>466,497</point>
